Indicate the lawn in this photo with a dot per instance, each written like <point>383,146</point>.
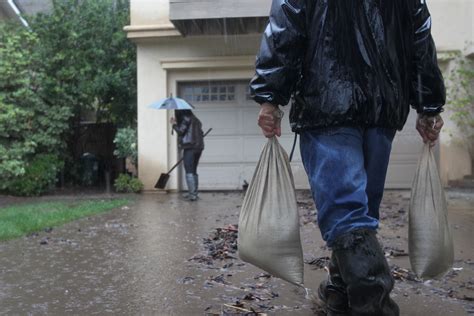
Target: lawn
<point>20,220</point>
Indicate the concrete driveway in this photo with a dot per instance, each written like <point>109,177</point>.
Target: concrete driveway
<point>153,258</point>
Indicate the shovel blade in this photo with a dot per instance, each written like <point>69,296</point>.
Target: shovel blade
<point>161,183</point>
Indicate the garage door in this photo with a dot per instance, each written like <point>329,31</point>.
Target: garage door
<point>406,150</point>
<point>234,145</point>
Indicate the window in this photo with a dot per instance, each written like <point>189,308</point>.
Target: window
<point>208,92</point>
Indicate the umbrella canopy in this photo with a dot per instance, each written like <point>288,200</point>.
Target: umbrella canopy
<point>171,104</point>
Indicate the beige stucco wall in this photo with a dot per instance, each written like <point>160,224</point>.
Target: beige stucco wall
<point>160,66</point>
<point>149,12</point>
<point>452,25</point>
<point>159,46</point>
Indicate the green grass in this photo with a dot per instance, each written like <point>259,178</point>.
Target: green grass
<point>20,220</point>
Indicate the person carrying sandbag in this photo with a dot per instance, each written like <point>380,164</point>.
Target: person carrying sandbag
<point>353,68</point>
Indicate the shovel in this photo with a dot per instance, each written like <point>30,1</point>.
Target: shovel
<point>164,177</point>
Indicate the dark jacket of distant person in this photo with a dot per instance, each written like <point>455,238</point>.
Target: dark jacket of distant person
<point>189,130</point>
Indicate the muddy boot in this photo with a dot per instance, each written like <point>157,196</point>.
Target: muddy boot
<point>190,181</point>
<point>332,292</point>
<point>365,271</point>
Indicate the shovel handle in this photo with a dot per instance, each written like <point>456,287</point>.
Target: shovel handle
<point>208,131</point>
<point>175,165</point>
<point>179,161</point>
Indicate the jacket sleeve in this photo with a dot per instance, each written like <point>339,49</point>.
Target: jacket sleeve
<point>428,93</point>
<point>278,63</point>
<point>183,127</point>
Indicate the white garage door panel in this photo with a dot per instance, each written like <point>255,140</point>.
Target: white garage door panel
<point>402,159</point>
<point>219,177</point>
<point>399,175</point>
<point>406,150</point>
<point>249,117</point>
<point>301,179</point>
<point>223,122</point>
<point>222,149</point>
<point>235,143</point>
<point>253,146</point>
<point>297,154</point>
<point>406,142</point>
<point>234,146</point>
<point>287,143</point>
<point>247,172</point>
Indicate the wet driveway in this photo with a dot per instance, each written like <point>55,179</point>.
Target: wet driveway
<point>141,259</point>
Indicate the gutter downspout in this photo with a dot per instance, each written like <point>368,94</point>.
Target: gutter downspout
<point>17,12</point>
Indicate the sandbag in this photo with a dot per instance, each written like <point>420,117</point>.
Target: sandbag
<point>429,236</point>
<point>269,233</point>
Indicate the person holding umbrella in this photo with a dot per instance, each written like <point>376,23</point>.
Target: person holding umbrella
<point>191,140</point>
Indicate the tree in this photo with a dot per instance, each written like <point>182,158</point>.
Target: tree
<point>90,63</point>
<point>71,61</point>
<point>126,144</point>
<point>29,123</point>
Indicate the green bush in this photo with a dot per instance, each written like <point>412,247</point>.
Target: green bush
<point>39,177</point>
<point>127,184</point>
<point>126,144</point>
<point>31,122</point>
<point>461,99</point>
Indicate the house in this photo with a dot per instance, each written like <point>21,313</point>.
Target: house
<point>204,51</point>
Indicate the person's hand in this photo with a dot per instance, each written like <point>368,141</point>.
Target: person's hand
<point>269,120</point>
<point>429,128</point>
<point>172,120</point>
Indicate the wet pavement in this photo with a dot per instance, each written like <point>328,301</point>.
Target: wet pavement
<point>165,256</point>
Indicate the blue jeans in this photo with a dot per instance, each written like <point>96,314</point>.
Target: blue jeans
<point>346,169</point>
<point>191,160</point>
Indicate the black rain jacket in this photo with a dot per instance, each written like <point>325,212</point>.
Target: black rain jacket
<point>349,62</point>
<point>190,135</point>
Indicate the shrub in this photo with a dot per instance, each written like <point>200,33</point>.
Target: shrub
<point>126,144</point>
<point>30,122</point>
<point>39,177</point>
<point>461,99</point>
<point>127,184</point>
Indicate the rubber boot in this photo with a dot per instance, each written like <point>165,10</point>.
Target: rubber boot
<point>365,271</point>
<point>196,187</point>
<point>332,292</point>
<point>190,181</point>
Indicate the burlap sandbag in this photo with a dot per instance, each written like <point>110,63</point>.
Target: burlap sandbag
<point>429,235</point>
<point>269,233</point>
